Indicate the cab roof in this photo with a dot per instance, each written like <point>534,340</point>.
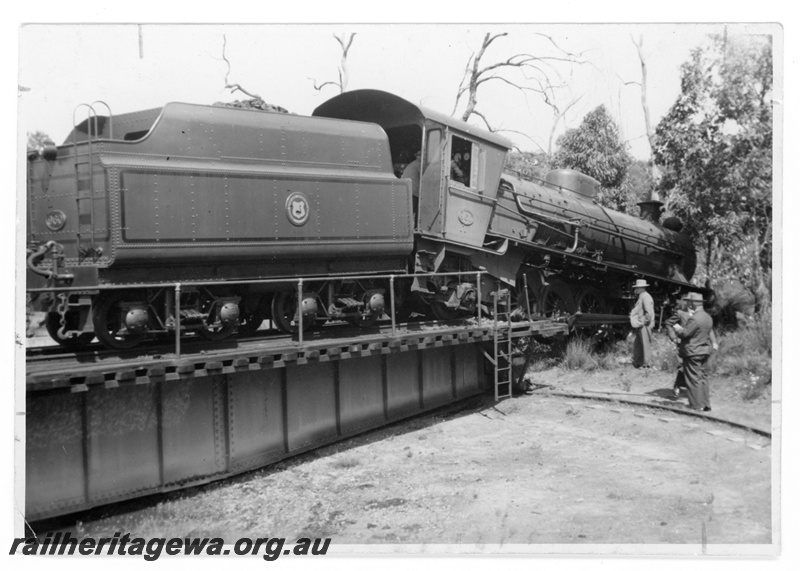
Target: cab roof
<point>388,110</point>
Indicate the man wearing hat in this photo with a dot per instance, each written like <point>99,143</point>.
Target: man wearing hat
<point>681,317</point>
<point>696,340</point>
<point>642,321</point>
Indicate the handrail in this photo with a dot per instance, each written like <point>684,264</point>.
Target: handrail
<point>103,287</point>
<point>110,118</point>
<point>91,124</point>
<point>33,258</point>
<point>633,234</point>
<point>178,286</point>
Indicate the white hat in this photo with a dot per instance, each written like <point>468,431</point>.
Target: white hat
<point>640,283</point>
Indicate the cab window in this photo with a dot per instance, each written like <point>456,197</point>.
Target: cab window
<point>461,159</point>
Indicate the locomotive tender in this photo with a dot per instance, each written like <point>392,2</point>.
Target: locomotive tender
<point>221,199</point>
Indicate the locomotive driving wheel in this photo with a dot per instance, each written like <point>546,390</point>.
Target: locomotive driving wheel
<point>557,300</point>
<point>109,323</point>
<point>590,300</point>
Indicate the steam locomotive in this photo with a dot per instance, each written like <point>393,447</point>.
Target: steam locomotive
<point>234,204</point>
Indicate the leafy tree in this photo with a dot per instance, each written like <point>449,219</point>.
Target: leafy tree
<point>595,148</point>
<point>715,150</point>
<point>530,165</point>
<point>37,140</point>
<point>640,179</point>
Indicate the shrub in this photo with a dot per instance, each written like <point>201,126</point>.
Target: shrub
<point>579,355</point>
<point>731,304</point>
<point>754,388</point>
<point>745,357</point>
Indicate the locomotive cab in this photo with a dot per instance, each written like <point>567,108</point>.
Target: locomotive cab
<point>459,176</point>
<point>460,164</point>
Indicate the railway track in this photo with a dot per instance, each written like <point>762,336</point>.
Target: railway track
<point>650,404</point>
<point>161,348</point>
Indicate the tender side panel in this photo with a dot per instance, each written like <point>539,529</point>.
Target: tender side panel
<point>163,208</point>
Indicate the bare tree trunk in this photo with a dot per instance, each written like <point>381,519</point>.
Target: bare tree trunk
<point>474,75</point>
<point>651,136</point>
<point>556,121</point>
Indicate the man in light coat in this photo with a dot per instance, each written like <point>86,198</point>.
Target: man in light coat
<point>642,320</point>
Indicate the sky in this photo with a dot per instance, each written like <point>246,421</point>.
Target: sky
<point>50,69</point>
<point>132,67</point>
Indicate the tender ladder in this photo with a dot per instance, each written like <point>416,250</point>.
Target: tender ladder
<point>502,345</point>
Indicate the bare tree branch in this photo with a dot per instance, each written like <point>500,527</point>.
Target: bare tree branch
<point>536,76</point>
<point>520,133</point>
<point>343,72</point>
<point>233,86</point>
<point>562,50</point>
<point>321,85</point>
<point>485,120</point>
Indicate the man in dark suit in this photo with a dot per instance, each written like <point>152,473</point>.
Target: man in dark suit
<point>695,348</point>
<point>680,317</point>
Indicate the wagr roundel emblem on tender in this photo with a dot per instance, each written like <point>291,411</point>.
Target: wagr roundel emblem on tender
<point>55,220</point>
<point>297,208</point>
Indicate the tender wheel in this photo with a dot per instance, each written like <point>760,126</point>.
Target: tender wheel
<point>590,300</point>
<point>109,324</point>
<point>214,328</point>
<point>284,313</point>
<point>53,324</point>
<point>557,300</point>
<point>373,307</point>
